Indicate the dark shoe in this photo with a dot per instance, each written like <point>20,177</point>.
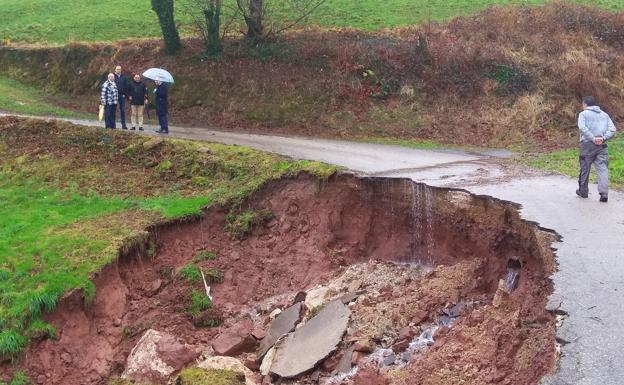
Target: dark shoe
<point>140,128</point>
<point>125,128</point>
<point>132,128</point>
<point>162,132</point>
<point>578,192</point>
<point>604,198</point>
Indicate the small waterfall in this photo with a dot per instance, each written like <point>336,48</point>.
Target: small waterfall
<point>513,274</point>
<point>422,220</point>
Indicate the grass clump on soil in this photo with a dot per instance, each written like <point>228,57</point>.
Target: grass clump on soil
<point>240,225</point>
<point>197,376</point>
<point>214,276</point>
<point>205,255</point>
<point>71,199</point>
<point>19,378</point>
<point>566,162</point>
<point>198,302</point>
<point>190,273</point>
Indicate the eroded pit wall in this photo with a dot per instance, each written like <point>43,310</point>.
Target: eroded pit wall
<point>318,228</point>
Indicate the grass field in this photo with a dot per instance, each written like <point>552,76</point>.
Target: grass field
<point>87,20</point>
<point>566,162</point>
<point>23,99</point>
<point>71,197</point>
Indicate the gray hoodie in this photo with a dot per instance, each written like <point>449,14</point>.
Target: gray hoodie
<point>594,122</point>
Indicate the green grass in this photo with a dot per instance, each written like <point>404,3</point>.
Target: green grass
<point>190,273</point>
<point>59,223</point>
<point>205,255</point>
<point>566,162</point>
<point>198,302</point>
<point>23,99</point>
<point>65,21</point>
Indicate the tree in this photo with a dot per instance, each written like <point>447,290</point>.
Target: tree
<point>258,14</point>
<point>212,15</point>
<point>206,17</point>
<point>164,10</point>
<point>253,13</point>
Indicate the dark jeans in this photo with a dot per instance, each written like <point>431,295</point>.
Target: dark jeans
<point>599,157</point>
<point>122,110</point>
<point>109,115</point>
<point>163,121</point>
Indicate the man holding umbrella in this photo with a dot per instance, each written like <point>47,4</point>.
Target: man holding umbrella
<point>161,78</point>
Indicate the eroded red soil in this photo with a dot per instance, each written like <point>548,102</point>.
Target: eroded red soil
<point>320,228</point>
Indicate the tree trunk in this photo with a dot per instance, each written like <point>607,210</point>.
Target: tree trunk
<point>212,14</point>
<point>255,29</point>
<point>164,10</point>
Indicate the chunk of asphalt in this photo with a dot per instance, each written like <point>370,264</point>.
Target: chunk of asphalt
<point>302,350</point>
<point>284,323</point>
<point>344,365</point>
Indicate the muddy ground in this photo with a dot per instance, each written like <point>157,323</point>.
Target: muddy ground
<point>421,259</point>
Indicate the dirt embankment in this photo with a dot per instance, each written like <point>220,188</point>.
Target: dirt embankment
<point>459,245</point>
<point>506,77</point>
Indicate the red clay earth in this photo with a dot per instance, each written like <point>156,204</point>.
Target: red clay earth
<point>319,228</point>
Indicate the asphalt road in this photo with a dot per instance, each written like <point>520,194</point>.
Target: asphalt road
<point>590,280</point>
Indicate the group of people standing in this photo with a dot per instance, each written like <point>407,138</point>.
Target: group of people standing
<point>117,89</point>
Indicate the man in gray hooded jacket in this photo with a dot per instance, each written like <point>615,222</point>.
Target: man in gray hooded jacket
<point>596,129</point>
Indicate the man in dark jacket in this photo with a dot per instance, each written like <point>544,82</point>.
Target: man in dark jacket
<point>122,89</point>
<point>137,92</point>
<point>109,98</point>
<point>162,108</point>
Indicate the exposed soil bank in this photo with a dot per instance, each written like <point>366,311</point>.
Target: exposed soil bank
<point>319,229</point>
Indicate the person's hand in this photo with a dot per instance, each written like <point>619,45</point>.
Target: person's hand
<point>599,140</point>
<point>130,98</point>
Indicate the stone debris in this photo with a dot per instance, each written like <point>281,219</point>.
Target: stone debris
<point>157,356</point>
<point>265,367</point>
<point>302,350</point>
<point>283,324</point>
<point>229,363</point>
<point>236,340</point>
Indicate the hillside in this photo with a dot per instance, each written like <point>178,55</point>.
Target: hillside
<point>83,20</point>
<point>507,77</point>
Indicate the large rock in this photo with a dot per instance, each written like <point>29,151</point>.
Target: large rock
<point>283,324</point>
<point>235,340</point>
<point>229,363</point>
<point>157,356</point>
<point>302,350</point>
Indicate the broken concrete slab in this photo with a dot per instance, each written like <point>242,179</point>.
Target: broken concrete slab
<point>345,363</point>
<point>283,324</point>
<point>267,362</point>
<point>302,350</point>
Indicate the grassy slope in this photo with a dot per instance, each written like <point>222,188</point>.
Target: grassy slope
<point>70,200</point>
<point>566,162</point>
<point>63,21</point>
<point>24,99</point>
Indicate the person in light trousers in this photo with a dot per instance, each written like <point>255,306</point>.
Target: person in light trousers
<point>137,93</point>
<point>596,129</point>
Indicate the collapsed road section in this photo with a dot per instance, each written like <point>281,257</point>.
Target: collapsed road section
<point>338,281</point>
